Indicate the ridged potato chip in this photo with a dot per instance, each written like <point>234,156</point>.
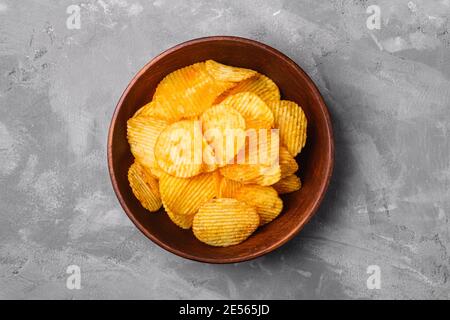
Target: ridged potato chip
<point>288,184</point>
<point>254,110</point>
<point>252,173</point>
<point>269,167</point>
<point>157,110</point>
<point>182,220</point>
<point>291,121</point>
<point>208,157</point>
<point>243,173</point>
<point>144,187</point>
<point>261,147</point>
<point>257,161</point>
<point>268,175</point>
<point>142,133</point>
<point>260,85</point>
<point>184,196</point>
<point>288,165</point>
<point>223,72</point>
<point>224,130</point>
<point>156,171</point>
<point>228,188</point>
<point>179,149</point>
<point>224,222</point>
<point>265,199</point>
<point>143,110</point>
<point>222,118</point>
<point>189,91</point>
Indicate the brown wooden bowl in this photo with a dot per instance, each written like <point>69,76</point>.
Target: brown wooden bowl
<point>315,160</point>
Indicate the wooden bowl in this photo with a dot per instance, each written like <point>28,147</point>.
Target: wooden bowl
<point>315,160</point>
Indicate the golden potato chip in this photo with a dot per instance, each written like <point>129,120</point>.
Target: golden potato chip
<point>224,222</point>
<point>223,72</point>
<point>209,160</point>
<point>188,91</point>
<point>284,164</point>
<point>143,110</point>
<point>262,146</point>
<point>144,187</point>
<point>268,175</point>
<point>291,121</point>
<point>252,173</point>
<point>257,161</point>
<point>228,188</point>
<point>142,133</point>
<point>182,220</point>
<point>224,130</point>
<point>281,164</point>
<point>184,196</point>
<point>269,168</point>
<point>222,118</point>
<point>260,85</point>
<point>254,110</point>
<point>243,173</point>
<point>288,165</point>
<point>179,149</point>
<point>288,184</point>
<point>156,171</point>
<point>158,110</point>
<point>265,199</point>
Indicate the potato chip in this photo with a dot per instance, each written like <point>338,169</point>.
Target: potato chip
<point>269,169</point>
<point>208,157</point>
<point>257,161</point>
<point>283,164</point>
<point>243,173</point>
<point>254,110</point>
<point>223,72</point>
<point>142,133</point>
<point>182,220</point>
<point>288,165</point>
<point>222,118</point>
<point>228,188</point>
<point>265,199</point>
<point>291,121</point>
<point>179,149</point>
<point>184,196</point>
<point>188,91</point>
<point>224,130</point>
<point>156,171</point>
<point>260,85</point>
<point>266,150</point>
<point>252,174</point>
<point>268,175</point>
<point>224,222</point>
<point>158,110</point>
<point>144,187</point>
<point>288,184</point>
<point>143,110</point>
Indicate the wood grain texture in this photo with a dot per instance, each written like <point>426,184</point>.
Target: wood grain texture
<point>316,159</point>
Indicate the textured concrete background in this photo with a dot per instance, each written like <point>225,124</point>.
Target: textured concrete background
<point>388,92</point>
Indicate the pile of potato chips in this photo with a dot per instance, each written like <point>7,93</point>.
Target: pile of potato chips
<point>216,148</point>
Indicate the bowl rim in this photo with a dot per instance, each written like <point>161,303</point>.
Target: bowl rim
<point>299,226</point>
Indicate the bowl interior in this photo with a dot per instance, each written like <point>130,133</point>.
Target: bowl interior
<point>315,160</point>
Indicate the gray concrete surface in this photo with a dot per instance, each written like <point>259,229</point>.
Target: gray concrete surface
<point>388,91</point>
